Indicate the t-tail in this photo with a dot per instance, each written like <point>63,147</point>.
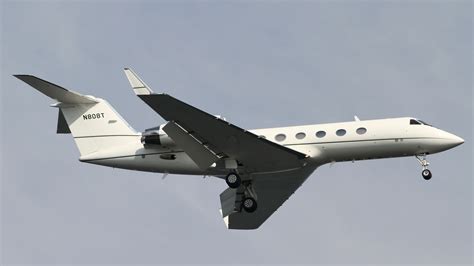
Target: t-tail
<point>93,123</point>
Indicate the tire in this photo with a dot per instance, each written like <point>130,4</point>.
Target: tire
<point>426,174</point>
<point>233,180</point>
<point>249,204</point>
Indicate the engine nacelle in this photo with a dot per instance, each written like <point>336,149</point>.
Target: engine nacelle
<point>156,137</point>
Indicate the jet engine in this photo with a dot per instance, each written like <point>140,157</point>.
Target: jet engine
<point>156,136</point>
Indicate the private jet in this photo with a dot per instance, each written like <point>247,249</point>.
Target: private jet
<point>262,167</point>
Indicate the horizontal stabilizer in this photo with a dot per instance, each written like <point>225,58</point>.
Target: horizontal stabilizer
<point>54,91</point>
<point>93,123</point>
<point>139,87</point>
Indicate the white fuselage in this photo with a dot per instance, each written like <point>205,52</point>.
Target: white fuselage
<point>363,140</point>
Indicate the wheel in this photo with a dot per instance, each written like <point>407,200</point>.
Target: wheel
<point>426,174</point>
<point>249,204</point>
<point>233,180</point>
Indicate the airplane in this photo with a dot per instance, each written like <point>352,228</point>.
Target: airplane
<point>262,167</point>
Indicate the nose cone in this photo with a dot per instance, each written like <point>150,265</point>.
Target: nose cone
<point>452,140</point>
<point>439,141</point>
<point>456,141</point>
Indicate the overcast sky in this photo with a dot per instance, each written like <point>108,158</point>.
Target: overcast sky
<point>259,65</point>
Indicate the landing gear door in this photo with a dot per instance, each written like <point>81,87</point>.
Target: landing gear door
<point>230,201</point>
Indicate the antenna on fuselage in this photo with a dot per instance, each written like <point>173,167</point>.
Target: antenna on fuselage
<point>356,118</point>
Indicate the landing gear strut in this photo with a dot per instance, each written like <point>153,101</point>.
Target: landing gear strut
<point>247,195</point>
<point>249,202</point>
<point>426,173</point>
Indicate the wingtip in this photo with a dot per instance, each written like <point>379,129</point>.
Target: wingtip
<point>21,75</point>
<point>139,87</point>
<point>226,219</point>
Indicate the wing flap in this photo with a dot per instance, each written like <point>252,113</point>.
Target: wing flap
<point>201,155</point>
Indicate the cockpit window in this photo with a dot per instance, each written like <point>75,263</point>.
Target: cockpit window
<point>424,123</point>
<point>418,122</point>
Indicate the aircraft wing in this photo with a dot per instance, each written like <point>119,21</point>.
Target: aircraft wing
<point>224,139</point>
<point>272,191</point>
<point>254,153</point>
<point>276,171</point>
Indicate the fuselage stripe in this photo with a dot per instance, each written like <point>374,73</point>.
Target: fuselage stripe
<point>346,141</point>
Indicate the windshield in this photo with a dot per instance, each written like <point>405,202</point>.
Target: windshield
<point>418,122</point>
<point>424,123</point>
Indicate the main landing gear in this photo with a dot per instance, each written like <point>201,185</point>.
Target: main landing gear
<point>426,173</point>
<point>233,180</point>
<point>249,202</point>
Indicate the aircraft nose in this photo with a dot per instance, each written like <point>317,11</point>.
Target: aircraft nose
<point>457,140</point>
<point>453,140</point>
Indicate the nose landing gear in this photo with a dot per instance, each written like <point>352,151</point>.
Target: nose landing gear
<point>426,173</point>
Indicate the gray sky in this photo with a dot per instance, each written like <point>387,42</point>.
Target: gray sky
<point>260,65</point>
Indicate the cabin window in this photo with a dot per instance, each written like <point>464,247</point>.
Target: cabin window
<point>300,135</point>
<point>280,137</point>
<point>361,130</point>
<point>341,132</point>
<point>320,134</point>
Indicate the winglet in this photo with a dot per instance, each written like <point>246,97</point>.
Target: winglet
<point>139,87</point>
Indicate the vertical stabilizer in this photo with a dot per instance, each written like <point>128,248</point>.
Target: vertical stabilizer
<point>94,124</point>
